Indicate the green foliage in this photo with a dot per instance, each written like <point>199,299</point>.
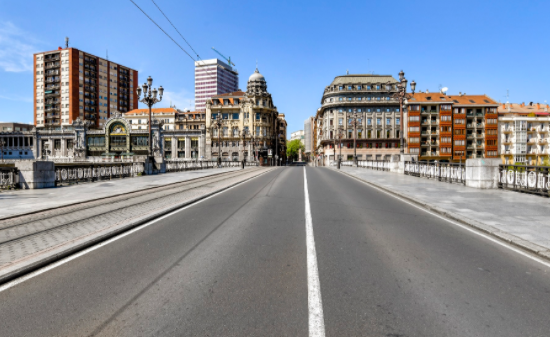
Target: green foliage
<point>293,147</point>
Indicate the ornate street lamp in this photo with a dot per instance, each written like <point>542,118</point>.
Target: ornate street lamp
<point>355,122</point>
<point>218,123</point>
<point>340,135</point>
<point>243,135</point>
<point>2,144</point>
<point>149,99</point>
<point>402,96</point>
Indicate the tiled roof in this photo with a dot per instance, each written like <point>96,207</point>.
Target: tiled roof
<point>459,100</point>
<point>363,78</point>
<point>524,108</point>
<point>432,97</point>
<point>235,93</point>
<point>154,111</point>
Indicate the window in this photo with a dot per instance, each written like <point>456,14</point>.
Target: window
<point>340,88</point>
<point>368,87</point>
<point>358,87</point>
<point>340,121</point>
<point>414,129</point>
<point>369,121</point>
<point>445,107</point>
<point>459,142</point>
<point>258,116</point>
<point>460,121</point>
<point>235,116</point>
<point>491,142</point>
<point>445,118</point>
<point>350,87</point>
<point>57,144</point>
<point>340,98</point>
<point>388,121</point>
<point>398,121</point>
<point>414,118</point>
<point>414,140</point>
<point>379,121</point>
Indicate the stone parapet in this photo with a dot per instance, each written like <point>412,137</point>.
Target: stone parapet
<point>36,174</point>
<point>482,173</point>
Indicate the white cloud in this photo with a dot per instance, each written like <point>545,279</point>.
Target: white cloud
<point>16,48</point>
<point>17,98</point>
<point>181,99</point>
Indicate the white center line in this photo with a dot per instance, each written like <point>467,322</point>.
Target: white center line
<point>315,304</point>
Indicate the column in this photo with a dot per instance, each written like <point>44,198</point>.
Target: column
<point>187,147</point>
<point>202,140</point>
<point>174,148</point>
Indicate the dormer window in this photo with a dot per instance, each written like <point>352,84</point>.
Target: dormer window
<point>368,87</point>
<point>377,87</point>
<point>358,87</point>
<point>340,88</point>
<point>350,87</point>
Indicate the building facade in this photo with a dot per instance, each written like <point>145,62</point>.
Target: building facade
<point>451,127</point>
<point>6,127</point>
<point>71,84</point>
<point>213,77</point>
<point>297,135</point>
<point>254,113</point>
<point>116,140</point>
<point>523,133</point>
<point>365,97</point>
<point>308,135</point>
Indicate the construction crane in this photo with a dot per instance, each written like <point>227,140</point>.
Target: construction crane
<point>227,59</point>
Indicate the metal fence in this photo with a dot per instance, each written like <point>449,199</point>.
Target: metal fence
<point>522,178</point>
<point>446,172</point>
<point>67,174</point>
<point>9,177</point>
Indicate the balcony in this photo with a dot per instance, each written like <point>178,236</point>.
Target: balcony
<point>507,130</point>
<point>480,135</point>
<point>52,72</point>
<point>51,109</point>
<point>53,80</point>
<point>470,136</point>
<point>470,125</point>
<point>470,147</point>
<point>90,61</point>
<point>479,114</point>
<point>543,141</point>
<point>532,140</point>
<point>425,122</point>
<point>51,94</point>
<point>470,115</point>
<point>507,141</point>
<point>52,65</point>
<point>425,133</point>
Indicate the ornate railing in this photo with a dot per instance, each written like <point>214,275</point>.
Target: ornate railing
<point>522,178</point>
<point>9,177</point>
<point>446,172</point>
<point>66,174</point>
<point>181,165</point>
<point>380,165</point>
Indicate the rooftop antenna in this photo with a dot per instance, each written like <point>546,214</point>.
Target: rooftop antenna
<point>107,54</point>
<point>66,42</point>
<point>347,72</point>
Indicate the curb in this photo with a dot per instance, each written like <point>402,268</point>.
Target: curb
<point>17,271</point>
<point>518,242</point>
<point>110,196</point>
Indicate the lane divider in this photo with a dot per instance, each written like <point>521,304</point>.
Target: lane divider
<point>314,301</point>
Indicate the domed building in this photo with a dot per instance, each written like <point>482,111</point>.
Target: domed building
<point>249,125</point>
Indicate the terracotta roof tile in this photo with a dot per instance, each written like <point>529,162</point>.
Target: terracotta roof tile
<point>154,111</point>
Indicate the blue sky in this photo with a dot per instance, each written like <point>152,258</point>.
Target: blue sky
<point>477,47</point>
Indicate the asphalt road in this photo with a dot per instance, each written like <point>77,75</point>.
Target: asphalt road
<point>236,264</point>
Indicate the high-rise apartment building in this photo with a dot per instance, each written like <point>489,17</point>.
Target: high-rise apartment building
<point>213,77</point>
<point>451,127</point>
<point>71,84</point>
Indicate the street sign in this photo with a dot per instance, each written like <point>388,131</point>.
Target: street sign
<point>269,152</point>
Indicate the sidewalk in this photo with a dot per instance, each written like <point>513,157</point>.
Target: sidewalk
<point>25,201</point>
<point>518,218</point>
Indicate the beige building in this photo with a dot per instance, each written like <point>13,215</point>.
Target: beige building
<point>71,84</point>
<point>378,119</point>
<point>254,113</point>
<point>524,133</point>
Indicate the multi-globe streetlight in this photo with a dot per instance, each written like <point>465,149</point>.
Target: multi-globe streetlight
<point>218,123</point>
<point>149,99</point>
<point>402,96</point>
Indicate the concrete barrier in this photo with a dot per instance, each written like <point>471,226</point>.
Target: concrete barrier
<point>36,174</point>
<point>482,173</point>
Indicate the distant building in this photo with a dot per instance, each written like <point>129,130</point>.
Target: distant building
<point>254,113</point>
<point>213,77</point>
<point>524,133</point>
<point>308,135</point>
<point>71,84</point>
<point>9,127</point>
<point>297,135</point>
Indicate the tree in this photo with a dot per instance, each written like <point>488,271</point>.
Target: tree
<point>293,147</point>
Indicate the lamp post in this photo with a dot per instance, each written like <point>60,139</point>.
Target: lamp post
<point>218,123</point>
<point>355,122</point>
<point>340,135</point>
<point>2,144</point>
<point>149,99</point>
<point>401,95</point>
<point>243,135</point>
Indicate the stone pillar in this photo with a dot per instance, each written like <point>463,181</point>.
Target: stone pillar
<point>482,173</point>
<point>187,147</point>
<point>400,167</point>
<point>202,140</point>
<point>174,148</point>
<point>36,174</point>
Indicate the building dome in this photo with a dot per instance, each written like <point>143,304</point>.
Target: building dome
<point>256,76</point>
